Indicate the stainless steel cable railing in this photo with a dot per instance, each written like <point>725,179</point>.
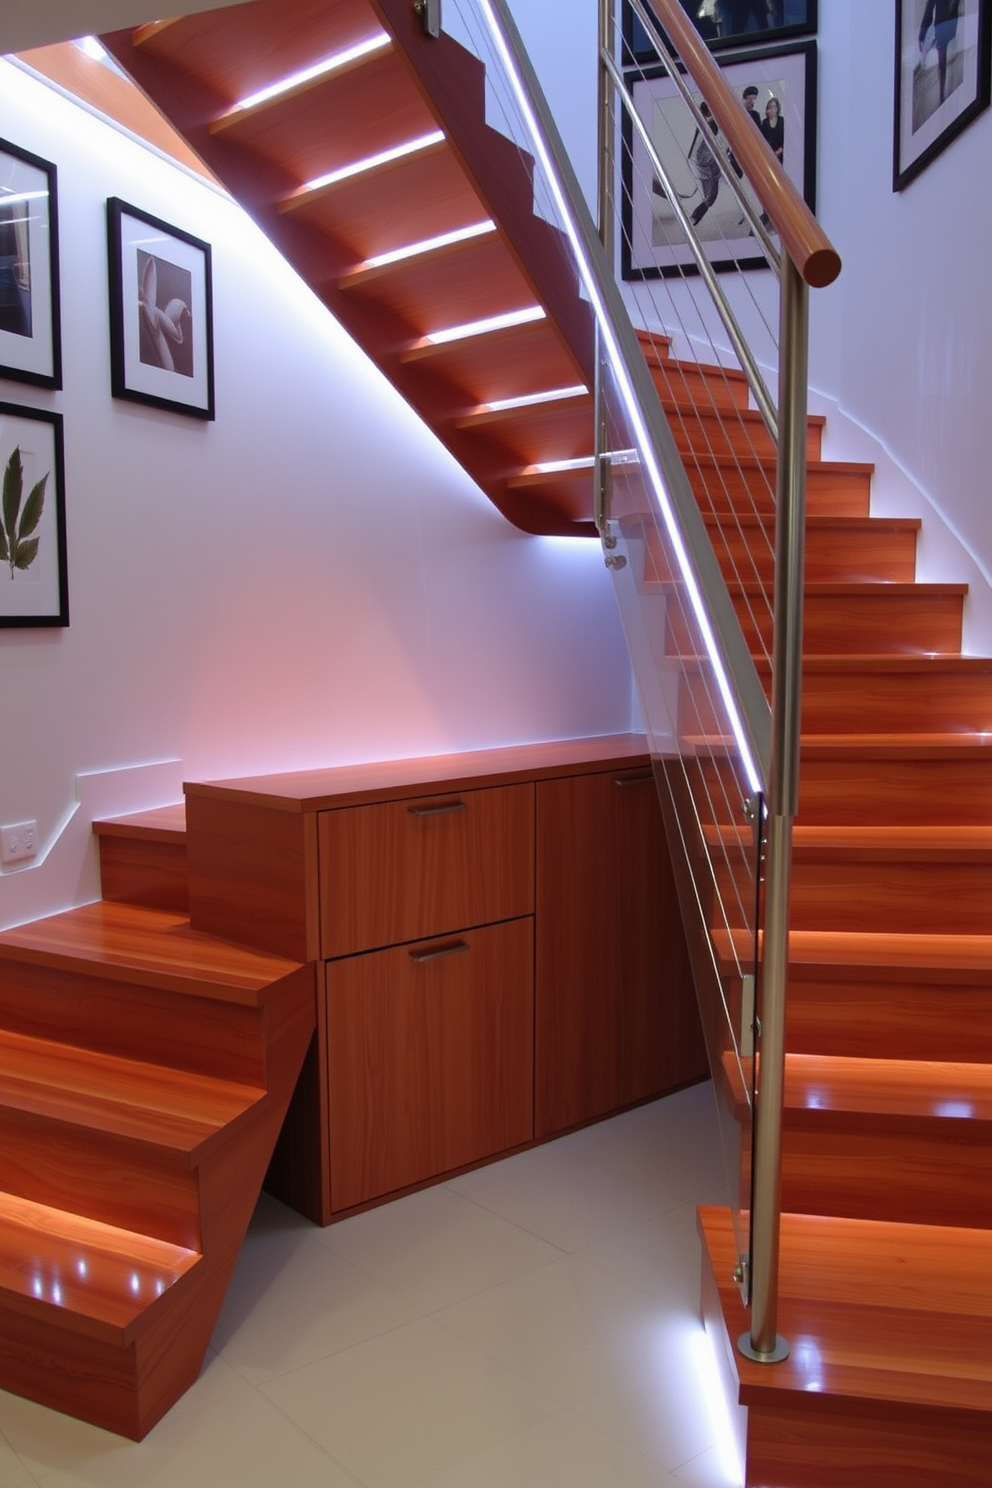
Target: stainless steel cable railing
<point>681,501</point>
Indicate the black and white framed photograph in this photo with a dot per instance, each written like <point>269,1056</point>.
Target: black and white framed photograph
<point>30,336</point>
<point>943,65</point>
<point>34,587</point>
<point>777,89</point>
<point>726,23</point>
<point>161,313</point>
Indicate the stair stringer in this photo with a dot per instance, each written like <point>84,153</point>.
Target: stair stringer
<point>452,84</point>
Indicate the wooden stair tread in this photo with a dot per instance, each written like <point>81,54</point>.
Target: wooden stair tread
<point>126,1098</point>
<point>162,824</point>
<point>100,1278</point>
<point>893,843</point>
<point>935,1090</point>
<point>152,947</point>
<point>873,1311</point>
<point>896,746</point>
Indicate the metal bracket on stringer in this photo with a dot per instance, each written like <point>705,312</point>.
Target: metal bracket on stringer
<point>429,12</point>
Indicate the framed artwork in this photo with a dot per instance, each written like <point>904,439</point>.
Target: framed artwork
<point>725,23</point>
<point>33,583</point>
<point>777,86</point>
<point>943,64</point>
<point>30,341</point>
<point>161,313</point>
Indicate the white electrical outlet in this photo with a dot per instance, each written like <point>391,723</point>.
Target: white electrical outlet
<point>18,842</point>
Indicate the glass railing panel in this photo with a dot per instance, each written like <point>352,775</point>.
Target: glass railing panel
<point>703,777</point>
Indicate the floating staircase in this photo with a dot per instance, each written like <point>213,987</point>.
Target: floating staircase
<point>145,1070</point>
<point>887,1236</point>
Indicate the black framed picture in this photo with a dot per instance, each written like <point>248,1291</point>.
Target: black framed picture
<point>726,23</point>
<point>34,587</point>
<point>943,66</point>
<point>30,337</point>
<point>161,313</point>
<point>777,87</point>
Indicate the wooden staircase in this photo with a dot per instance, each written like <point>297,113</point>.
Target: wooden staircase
<point>292,162</point>
<point>887,1250</point>
<point>887,1142</point>
<point>145,1070</point>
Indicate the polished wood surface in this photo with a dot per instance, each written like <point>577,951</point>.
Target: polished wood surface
<point>431,1058</point>
<point>133,1146</point>
<point>616,1015</point>
<point>107,91</point>
<point>890,1375</point>
<point>816,259</point>
<point>143,859</point>
<point>253,875</point>
<point>267,155</point>
<point>372,781</point>
<point>402,870</point>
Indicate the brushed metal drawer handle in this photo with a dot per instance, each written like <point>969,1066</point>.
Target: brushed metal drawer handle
<point>435,955</point>
<point>625,780</point>
<point>440,810</point>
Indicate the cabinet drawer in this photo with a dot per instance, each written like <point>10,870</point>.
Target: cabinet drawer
<point>403,870</point>
<point>430,1058</point>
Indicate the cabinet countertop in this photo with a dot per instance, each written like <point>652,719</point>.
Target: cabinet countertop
<point>335,786</point>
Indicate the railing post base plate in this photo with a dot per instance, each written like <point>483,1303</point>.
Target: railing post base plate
<point>773,1356</point>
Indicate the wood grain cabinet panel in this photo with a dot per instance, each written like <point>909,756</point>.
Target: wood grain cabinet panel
<point>403,870</point>
<point>616,1016</point>
<point>430,1058</point>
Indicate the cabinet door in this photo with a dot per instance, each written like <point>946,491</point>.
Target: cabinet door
<point>430,1051</point>
<point>616,1017</point>
<point>403,870</point>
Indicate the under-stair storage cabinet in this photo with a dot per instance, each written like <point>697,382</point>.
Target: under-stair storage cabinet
<point>500,954</point>
<point>427,923</point>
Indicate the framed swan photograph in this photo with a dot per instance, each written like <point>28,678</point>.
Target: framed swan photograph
<point>161,313</point>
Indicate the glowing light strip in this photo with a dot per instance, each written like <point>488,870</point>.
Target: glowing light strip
<point>307,74</point>
<point>554,467</point>
<point>629,399</point>
<point>483,327</point>
<point>410,147</point>
<point>427,245</point>
<point>530,400</point>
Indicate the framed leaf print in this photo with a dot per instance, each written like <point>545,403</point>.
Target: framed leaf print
<point>33,582</point>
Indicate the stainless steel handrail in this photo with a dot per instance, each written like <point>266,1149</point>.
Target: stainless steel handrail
<point>729,653</point>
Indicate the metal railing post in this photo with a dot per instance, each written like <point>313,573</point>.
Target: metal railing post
<point>763,1342</point>
<point>607,232</point>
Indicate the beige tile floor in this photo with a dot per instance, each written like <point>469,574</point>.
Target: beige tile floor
<point>532,1324</point>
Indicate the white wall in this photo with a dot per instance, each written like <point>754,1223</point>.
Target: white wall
<point>309,579</point>
<point>901,345</point>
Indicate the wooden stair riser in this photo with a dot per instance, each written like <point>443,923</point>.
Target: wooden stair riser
<point>697,431</point>
<point>881,619</point>
<point>127,1184</point>
<point>850,892</point>
<point>684,381</point>
<point>911,1171</point>
<point>866,786</point>
<point>910,1019</point>
<point>880,789</point>
<point>922,897</point>
<point>726,487</point>
<point>149,873</point>
<point>133,1021</point>
<point>847,551</point>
